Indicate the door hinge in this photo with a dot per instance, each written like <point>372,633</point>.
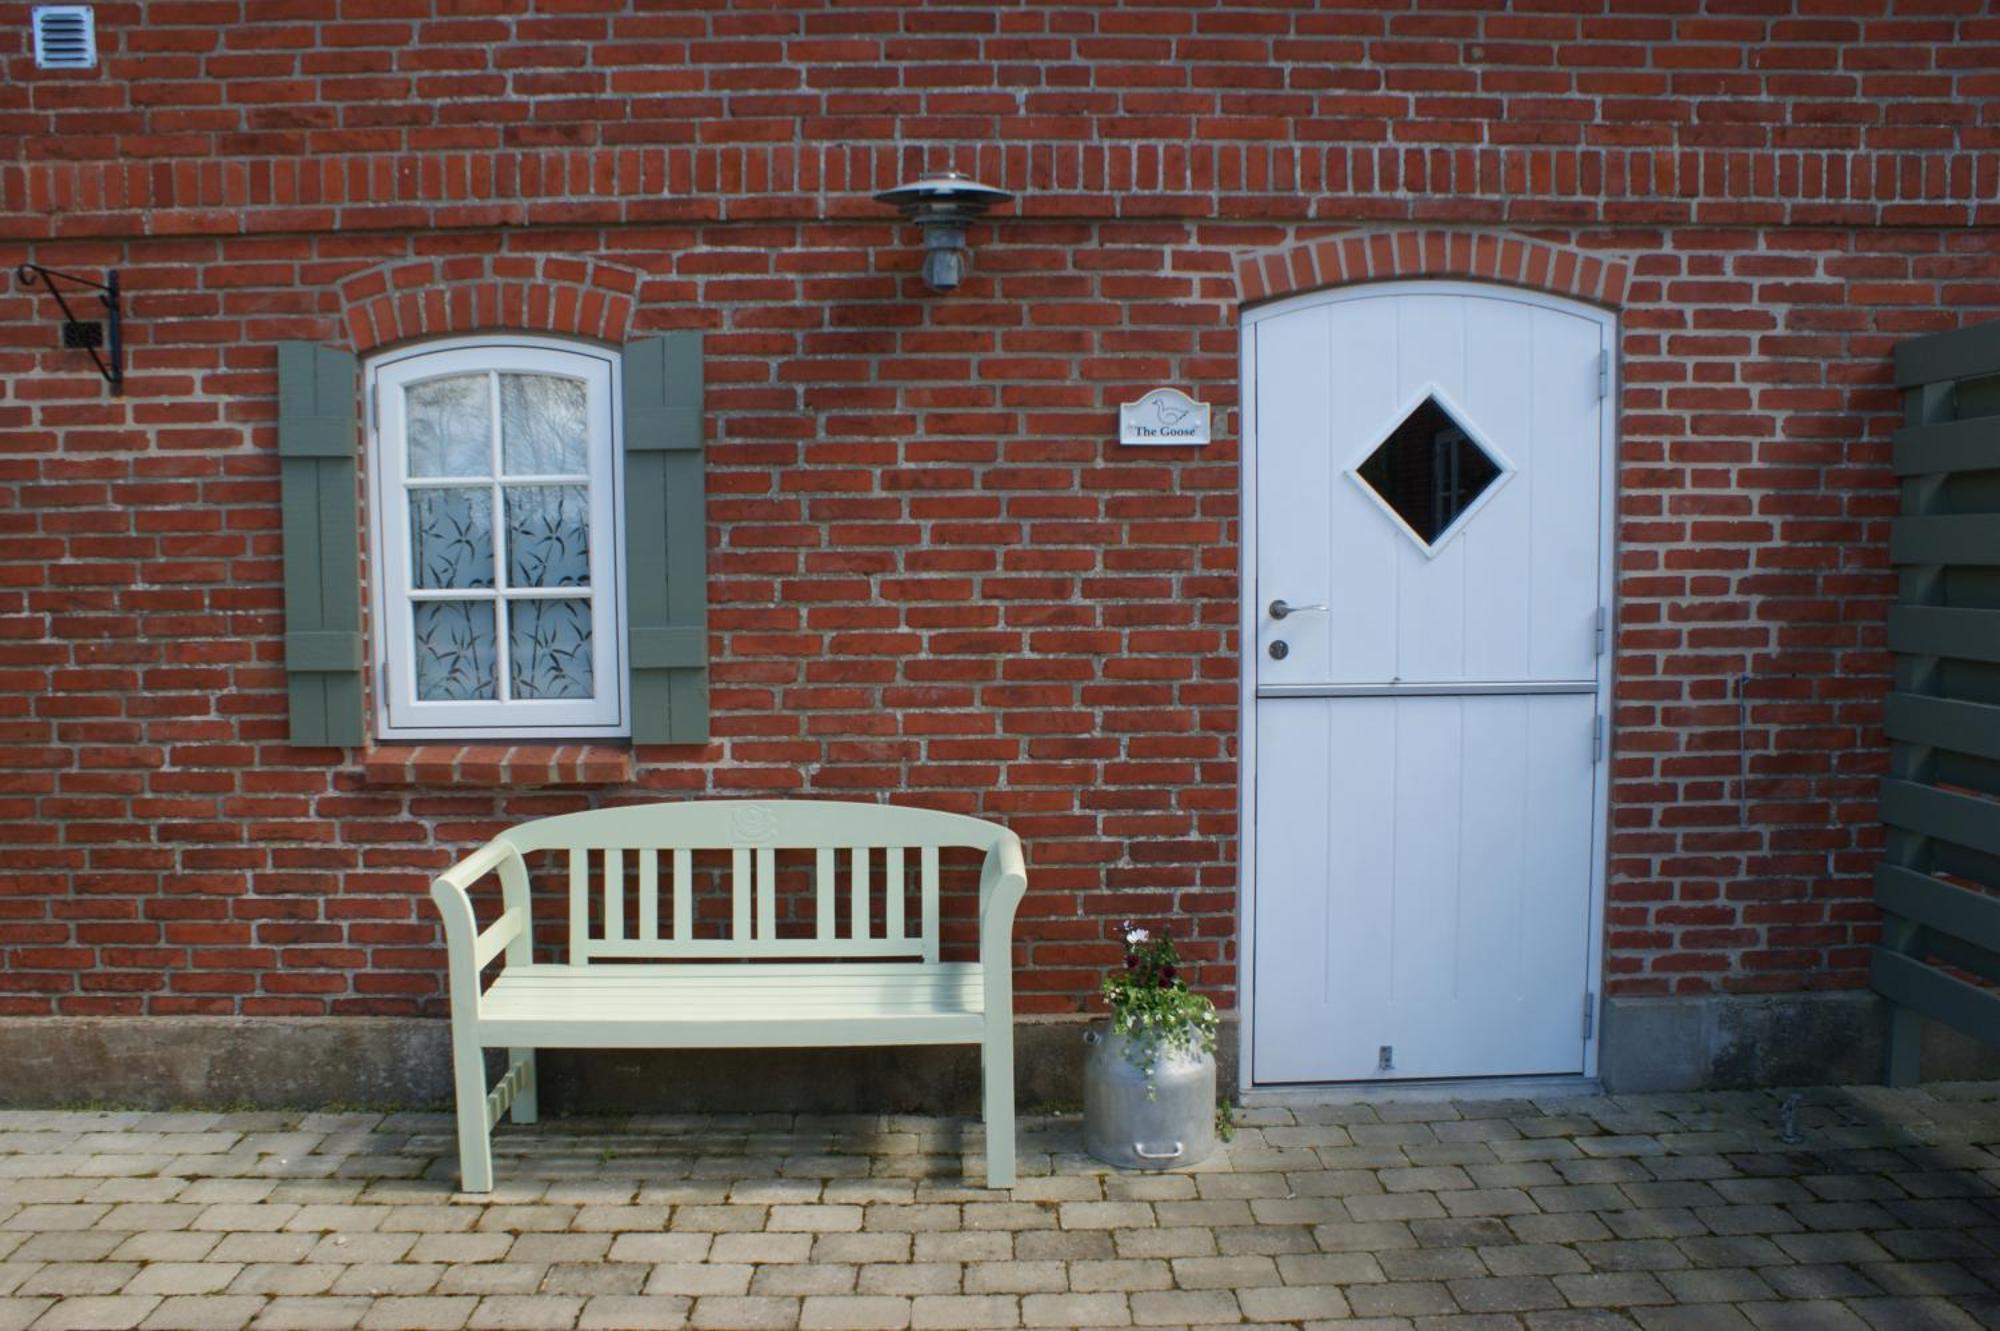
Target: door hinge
<point>1603,373</point>
<point>1603,627</point>
<point>374,409</point>
<point>1597,739</point>
<point>1589,1013</point>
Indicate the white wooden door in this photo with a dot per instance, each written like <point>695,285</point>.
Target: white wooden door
<point>1431,510</point>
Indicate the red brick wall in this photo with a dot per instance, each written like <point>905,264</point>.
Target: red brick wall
<point>932,574</point>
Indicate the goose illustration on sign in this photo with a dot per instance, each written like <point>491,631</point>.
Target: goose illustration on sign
<point>1163,416</point>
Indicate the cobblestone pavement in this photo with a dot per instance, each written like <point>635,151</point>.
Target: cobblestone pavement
<point>1661,1212</point>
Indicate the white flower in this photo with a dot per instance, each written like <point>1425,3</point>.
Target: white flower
<point>1134,937</point>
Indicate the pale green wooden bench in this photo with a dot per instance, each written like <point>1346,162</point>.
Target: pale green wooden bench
<point>672,986</point>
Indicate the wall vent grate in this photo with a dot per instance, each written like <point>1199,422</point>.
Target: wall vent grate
<point>65,37</point>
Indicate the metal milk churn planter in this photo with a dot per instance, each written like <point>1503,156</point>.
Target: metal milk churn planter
<point>1123,1126</point>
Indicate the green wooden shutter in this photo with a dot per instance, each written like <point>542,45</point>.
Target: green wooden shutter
<point>666,540</point>
<point>318,430</point>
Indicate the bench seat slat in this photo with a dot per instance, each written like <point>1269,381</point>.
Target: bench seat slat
<point>696,1006</point>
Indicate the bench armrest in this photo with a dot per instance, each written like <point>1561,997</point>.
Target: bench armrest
<point>1003,882</point>
<point>467,947</point>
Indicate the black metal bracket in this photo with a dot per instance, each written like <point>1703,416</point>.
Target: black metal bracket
<point>88,334</point>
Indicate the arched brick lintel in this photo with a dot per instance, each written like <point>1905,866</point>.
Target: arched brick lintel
<point>412,298</point>
<point>1377,256</point>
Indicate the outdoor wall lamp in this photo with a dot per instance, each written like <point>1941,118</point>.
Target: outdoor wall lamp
<point>944,205</point>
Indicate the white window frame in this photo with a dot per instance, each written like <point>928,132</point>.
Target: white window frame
<point>399,714</point>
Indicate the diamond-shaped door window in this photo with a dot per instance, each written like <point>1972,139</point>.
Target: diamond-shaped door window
<point>1430,472</point>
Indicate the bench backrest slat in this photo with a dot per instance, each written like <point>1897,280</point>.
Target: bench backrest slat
<point>930,903</point>
<point>825,922</point>
<point>857,856</point>
<point>649,897</point>
<point>579,904</point>
<point>683,896</point>
<point>614,895</point>
<point>892,889</point>
<point>763,839</point>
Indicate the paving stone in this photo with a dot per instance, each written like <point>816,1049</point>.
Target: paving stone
<point>1706,1317</point>
<point>493,1278</point>
<point>209,1312</point>
<point>960,1247</point>
<point>97,1312</point>
<point>1432,1263</point>
<point>419,1313</point>
<point>312,1314</point>
<point>700,1279</point>
<point>1185,1307</point>
<point>1123,1274</point>
<point>1017,1277</point>
<point>1297,1303</point>
<point>620,1312</point>
<point>1107,1215</point>
<point>460,1247</point>
<point>1818,1282</point>
<point>858,1312</point>
<point>1532,1259</point>
<point>850,1248</point>
<point>797,1247</point>
<point>963,1312</point>
<point>1633,1255</point>
<point>165,1246</point>
<point>1224,1272</point>
<point>1923,1278</point>
<point>1188,1242</point>
<point>1257,1240</point>
<point>910,1278</point>
<point>596,1278</point>
<point>376,1278</point>
<point>525,1312</point>
<point>1716,1285</point>
<point>1612,1289</point>
<point>285,1279</point>
<point>1400,1298</point>
<point>1505,1294</point>
<point>183,1278</point>
<point>1811,1315</point>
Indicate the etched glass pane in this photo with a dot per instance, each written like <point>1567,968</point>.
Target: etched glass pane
<point>543,425</point>
<point>456,651</point>
<point>548,536</point>
<point>1429,470</point>
<point>450,425</point>
<point>549,645</point>
<point>451,537</point>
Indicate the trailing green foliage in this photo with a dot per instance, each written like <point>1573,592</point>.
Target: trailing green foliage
<point>1151,1005</point>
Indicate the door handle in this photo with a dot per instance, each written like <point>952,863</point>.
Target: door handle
<point>1280,610</point>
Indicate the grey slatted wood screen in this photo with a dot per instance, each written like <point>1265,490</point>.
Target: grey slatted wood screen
<point>318,441</point>
<point>666,539</point>
<point>1939,881</point>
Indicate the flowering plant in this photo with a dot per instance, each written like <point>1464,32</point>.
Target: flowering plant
<point>1151,1005</point>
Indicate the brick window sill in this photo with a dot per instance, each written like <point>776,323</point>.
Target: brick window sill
<point>496,765</point>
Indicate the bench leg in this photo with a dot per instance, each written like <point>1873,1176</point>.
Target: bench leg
<point>475,1149</point>
<point>997,1063</point>
<point>527,1105</point>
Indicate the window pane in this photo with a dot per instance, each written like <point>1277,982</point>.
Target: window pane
<point>543,425</point>
<point>451,426</point>
<point>548,536</point>
<point>550,649</point>
<point>451,537</point>
<point>1429,470</point>
<point>455,650</point>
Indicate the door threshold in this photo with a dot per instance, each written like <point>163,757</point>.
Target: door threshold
<point>1442,1088</point>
